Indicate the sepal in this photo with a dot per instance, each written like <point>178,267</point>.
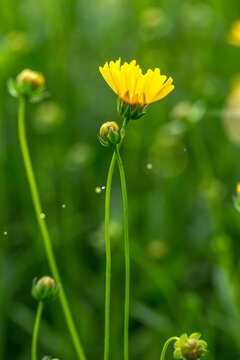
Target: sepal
<point>130,112</point>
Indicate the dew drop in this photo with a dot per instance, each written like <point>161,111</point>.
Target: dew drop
<point>42,216</point>
<point>98,190</point>
<point>5,233</point>
<point>63,206</point>
<point>103,187</point>
<point>149,166</point>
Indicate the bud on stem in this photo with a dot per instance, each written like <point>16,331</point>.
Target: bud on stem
<point>28,84</point>
<point>45,289</point>
<point>189,348</point>
<point>110,134</point>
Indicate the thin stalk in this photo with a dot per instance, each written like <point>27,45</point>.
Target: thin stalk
<point>108,257</point>
<point>44,229</point>
<point>108,248</point>
<point>162,357</point>
<point>127,255</point>
<point>36,329</point>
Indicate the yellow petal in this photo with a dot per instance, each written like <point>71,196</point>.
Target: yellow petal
<point>108,78</point>
<point>164,91</point>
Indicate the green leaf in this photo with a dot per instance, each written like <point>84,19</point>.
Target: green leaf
<point>12,88</point>
<point>36,98</point>
<point>236,203</point>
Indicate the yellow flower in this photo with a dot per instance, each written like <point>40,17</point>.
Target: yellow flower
<point>132,86</point>
<point>234,34</point>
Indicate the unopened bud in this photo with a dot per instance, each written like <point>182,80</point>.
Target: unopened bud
<point>109,134</point>
<point>45,289</point>
<point>34,79</point>
<point>28,84</point>
<point>190,348</point>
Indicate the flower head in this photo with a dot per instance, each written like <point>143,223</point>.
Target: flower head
<point>45,289</point>
<point>234,34</point>
<point>132,86</point>
<point>190,348</point>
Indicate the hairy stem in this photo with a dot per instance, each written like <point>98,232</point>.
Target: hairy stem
<point>36,329</point>
<point>44,229</point>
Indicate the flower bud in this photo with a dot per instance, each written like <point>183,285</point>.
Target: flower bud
<point>109,134</point>
<point>130,112</point>
<point>34,79</point>
<point>190,348</point>
<point>28,84</point>
<point>45,289</point>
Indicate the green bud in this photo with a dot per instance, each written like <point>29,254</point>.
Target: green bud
<point>190,348</point>
<point>45,289</point>
<point>110,134</point>
<point>28,84</point>
<point>130,112</point>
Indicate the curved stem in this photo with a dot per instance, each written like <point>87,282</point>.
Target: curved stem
<point>166,346</point>
<point>127,255</point>
<point>35,330</point>
<point>44,229</point>
<point>108,257</point>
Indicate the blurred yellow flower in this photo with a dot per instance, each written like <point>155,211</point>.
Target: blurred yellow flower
<point>238,188</point>
<point>231,112</point>
<point>132,86</point>
<point>234,34</point>
<point>34,79</point>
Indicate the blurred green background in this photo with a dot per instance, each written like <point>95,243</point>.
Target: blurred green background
<point>182,166</point>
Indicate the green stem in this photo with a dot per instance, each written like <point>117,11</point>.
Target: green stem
<point>108,257</point>
<point>36,329</point>
<point>127,255</point>
<point>108,248</point>
<point>44,229</point>
<point>166,346</point>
